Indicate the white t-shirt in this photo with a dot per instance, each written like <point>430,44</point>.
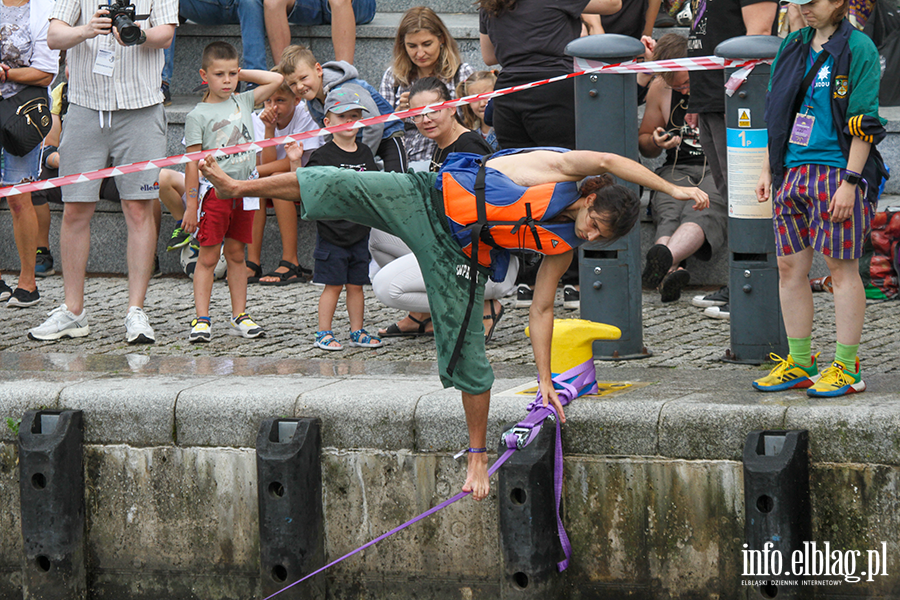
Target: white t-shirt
<point>300,123</point>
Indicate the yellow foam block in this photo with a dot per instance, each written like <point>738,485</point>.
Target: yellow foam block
<point>572,341</point>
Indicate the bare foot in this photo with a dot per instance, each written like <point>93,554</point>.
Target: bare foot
<point>411,324</point>
<point>225,185</point>
<point>477,480</point>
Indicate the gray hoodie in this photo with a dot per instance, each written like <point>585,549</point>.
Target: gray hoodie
<point>344,75</point>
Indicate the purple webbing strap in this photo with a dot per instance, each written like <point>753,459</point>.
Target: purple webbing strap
<point>580,376</point>
<point>493,469</point>
<point>571,381</point>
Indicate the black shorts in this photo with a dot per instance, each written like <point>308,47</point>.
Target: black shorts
<point>336,265</point>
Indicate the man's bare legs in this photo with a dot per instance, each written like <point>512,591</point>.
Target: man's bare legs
<point>75,245</point>
<point>476,407</point>
<point>686,240</point>
<point>142,235</point>
<point>343,27</point>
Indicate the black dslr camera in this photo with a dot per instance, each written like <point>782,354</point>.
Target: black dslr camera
<point>123,17</point>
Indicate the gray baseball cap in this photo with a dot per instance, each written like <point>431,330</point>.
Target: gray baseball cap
<point>339,101</point>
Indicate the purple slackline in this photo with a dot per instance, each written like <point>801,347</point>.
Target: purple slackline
<point>570,382</point>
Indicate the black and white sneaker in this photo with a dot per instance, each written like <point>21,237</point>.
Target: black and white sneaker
<point>717,298</point>
<point>571,297</point>
<point>524,296</point>
<point>718,312</point>
<point>22,298</point>
<point>5,291</point>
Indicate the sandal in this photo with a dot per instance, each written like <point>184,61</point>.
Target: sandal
<point>494,318</point>
<point>326,341</point>
<point>394,330</point>
<point>257,271</point>
<point>294,274</point>
<point>362,339</point>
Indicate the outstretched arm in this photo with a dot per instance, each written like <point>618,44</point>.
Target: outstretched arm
<point>540,322</point>
<point>584,163</point>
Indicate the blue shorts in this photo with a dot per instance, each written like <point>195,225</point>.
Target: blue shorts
<point>21,169</point>
<point>336,265</point>
<point>318,12</point>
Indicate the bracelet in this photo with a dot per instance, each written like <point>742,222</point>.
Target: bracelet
<point>469,450</point>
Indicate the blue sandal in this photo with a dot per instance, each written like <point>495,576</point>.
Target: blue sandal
<point>326,341</point>
<point>362,339</point>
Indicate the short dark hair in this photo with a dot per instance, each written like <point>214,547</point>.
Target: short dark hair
<point>218,51</point>
<point>616,205</point>
<point>430,84</point>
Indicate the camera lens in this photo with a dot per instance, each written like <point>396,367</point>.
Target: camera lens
<point>129,33</point>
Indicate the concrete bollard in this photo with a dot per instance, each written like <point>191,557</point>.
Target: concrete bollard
<point>756,324</point>
<point>528,534</point>
<point>291,531</point>
<point>777,510</point>
<point>528,529</point>
<point>51,488</point>
<point>606,121</point>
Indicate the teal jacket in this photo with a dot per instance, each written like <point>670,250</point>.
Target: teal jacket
<point>855,82</point>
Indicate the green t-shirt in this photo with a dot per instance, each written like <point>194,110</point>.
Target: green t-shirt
<point>224,124</point>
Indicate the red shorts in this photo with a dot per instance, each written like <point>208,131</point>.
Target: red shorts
<point>220,219</point>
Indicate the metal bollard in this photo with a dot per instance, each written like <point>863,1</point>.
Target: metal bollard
<point>528,533</point>
<point>51,490</point>
<point>291,532</point>
<point>777,510</point>
<point>756,324</point>
<point>606,121</point>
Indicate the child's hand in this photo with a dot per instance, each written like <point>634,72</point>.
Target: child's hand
<point>268,115</point>
<point>294,152</point>
<point>189,220</point>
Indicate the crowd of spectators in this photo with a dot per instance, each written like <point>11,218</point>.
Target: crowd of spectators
<point>115,87</point>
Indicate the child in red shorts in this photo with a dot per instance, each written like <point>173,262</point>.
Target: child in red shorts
<point>222,119</point>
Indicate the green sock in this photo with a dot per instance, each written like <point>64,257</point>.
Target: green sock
<point>846,355</point>
<point>800,351</point>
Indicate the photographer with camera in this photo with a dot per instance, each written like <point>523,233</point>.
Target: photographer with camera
<point>681,231</point>
<point>115,115</point>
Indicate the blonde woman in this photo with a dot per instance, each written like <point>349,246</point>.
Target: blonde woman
<point>423,47</point>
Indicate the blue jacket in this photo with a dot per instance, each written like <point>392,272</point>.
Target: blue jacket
<point>855,81</point>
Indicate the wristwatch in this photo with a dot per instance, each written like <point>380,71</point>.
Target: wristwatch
<point>852,178</point>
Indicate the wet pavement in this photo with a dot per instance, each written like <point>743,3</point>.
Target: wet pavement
<point>677,334</point>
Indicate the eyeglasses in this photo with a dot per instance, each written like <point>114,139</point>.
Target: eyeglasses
<point>431,116</point>
<point>680,88</point>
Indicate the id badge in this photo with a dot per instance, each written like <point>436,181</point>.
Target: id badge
<point>802,130</point>
<point>106,60</point>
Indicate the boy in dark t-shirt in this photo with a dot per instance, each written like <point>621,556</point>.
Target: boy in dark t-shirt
<point>342,248</point>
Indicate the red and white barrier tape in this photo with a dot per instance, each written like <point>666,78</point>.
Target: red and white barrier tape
<point>701,63</point>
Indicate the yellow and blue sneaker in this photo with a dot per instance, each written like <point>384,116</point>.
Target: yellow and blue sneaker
<point>837,380</point>
<point>788,375</point>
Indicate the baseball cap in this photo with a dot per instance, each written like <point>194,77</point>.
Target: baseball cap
<point>340,101</point>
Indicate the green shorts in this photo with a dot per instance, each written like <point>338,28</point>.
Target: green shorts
<point>406,205</point>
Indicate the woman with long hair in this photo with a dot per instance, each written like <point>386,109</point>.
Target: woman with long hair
<point>27,63</point>
<point>399,283</point>
<point>423,47</point>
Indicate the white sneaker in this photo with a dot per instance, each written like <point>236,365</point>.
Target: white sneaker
<point>244,326</point>
<point>61,323</point>
<point>137,327</point>
<point>718,312</point>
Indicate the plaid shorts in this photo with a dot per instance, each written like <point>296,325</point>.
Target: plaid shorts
<point>801,219</point>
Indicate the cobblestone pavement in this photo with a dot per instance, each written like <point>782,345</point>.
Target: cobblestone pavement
<point>677,334</point>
